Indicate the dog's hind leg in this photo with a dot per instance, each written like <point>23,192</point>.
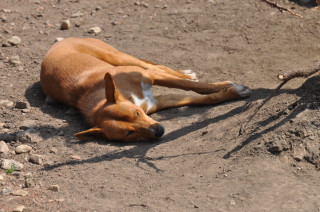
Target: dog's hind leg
<point>173,100</point>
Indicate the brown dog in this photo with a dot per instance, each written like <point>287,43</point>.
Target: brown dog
<point>113,89</point>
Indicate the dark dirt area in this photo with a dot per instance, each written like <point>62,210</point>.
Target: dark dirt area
<point>201,163</point>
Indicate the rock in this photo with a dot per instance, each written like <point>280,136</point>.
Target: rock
<point>27,124</point>
<point>54,188</point>
<point>28,136</point>
<point>75,157</point>
<point>6,164</point>
<point>37,159</point>
<point>299,153</point>
<point>6,103</point>
<point>311,154</point>
<point>277,145</point>
<point>72,112</point>
<point>28,183</point>
<point>5,44</point>
<point>6,191</point>
<point>21,193</point>
<point>27,175</point>
<point>57,40</point>
<point>60,133</point>
<point>19,208</point>
<point>22,105</point>
<point>4,148</point>
<point>53,150</point>
<point>76,14</point>
<point>23,149</point>
<point>14,41</point>
<point>94,30</point>
<point>15,60</point>
<point>65,25</point>
<point>1,177</point>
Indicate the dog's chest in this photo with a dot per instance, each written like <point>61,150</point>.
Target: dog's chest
<point>147,99</point>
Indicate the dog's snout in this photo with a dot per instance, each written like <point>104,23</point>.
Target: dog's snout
<point>158,130</point>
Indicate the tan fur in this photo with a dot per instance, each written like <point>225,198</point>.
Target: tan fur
<point>102,83</point>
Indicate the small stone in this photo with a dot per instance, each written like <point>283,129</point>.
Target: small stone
<point>27,175</point>
<point>65,25</point>
<point>98,8</point>
<point>4,148</point>
<point>94,30</point>
<point>14,41</point>
<point>21,193</point>
<point>27,124</point>
<point>7,163</point>
<point>36,159</point>
<point>59,200</point>
<point>75,157</point>
<point>76,14</point>
<point>28,136</point>
<point>54,188</point>
<point>299,153</point>
<point>6,103</point>
<point>28,183</point>
<point>58,39</point>
<point>6,191</point>
<point>1,178</point>
<point>22,105</point>
<point>277,145</point>
<point>23,149</point>
<point>19,208</point>
<point>54,150</point>
<point>5,44</point>
<point>60,133</point>
<point>15,60</point>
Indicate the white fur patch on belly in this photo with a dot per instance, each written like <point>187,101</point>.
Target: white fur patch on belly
<point>148,97</point>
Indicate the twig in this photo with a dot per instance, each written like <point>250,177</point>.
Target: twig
<point>285,77</point>
<point>281,8</point>
<point>301,72</point>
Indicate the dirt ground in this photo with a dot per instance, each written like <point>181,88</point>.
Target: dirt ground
<point>201,164</point>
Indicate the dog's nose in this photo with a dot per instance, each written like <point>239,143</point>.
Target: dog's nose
<point>158,130</point>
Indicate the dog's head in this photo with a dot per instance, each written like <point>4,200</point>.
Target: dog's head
<point>120,119</point>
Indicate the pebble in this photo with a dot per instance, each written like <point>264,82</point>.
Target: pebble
<point>19,208</point>
<point>14,41</point>
<point>298,154</point>
<point>1,177</point>
<point>6,191</point>
<point>15,60</point>
<point>23,149</point>
<point>53,150</point>
<point>94,30</point>
<point>65,25</point>
<point>6,164</point>
<point>54,188</point>
<point>6,103</point>
<point>76,14</point>
<point>21,193</point>
<point>22,105</point>
<point>75,157</point>
<point>4,148</point>
<point>37,159</point>
<point>28,183</point>
<point>27,124</point>
<point>28,136</point>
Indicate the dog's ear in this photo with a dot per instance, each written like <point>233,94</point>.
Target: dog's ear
<point>112,94</point>
<point>95,131</point>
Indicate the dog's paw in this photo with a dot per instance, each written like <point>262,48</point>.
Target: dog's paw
<point>242,90</point>
<point>191,74</point>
